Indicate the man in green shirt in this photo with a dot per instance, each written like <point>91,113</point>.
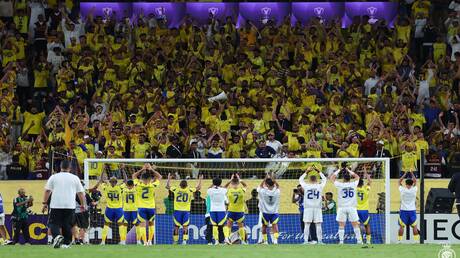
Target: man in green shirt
<point>21,215</point>
<point>329,204</point>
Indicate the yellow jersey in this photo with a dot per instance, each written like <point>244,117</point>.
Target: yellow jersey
<point>236,199</point>
<point>112,195</point>
<point>363,197</point>
<point>145,193</point>
<point>129,199</point>
<point>409,161</point>
<point>182,198</point>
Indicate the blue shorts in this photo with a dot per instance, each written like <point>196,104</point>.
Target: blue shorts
<point>181,218</point>
<point>408,218</point>
<point>114,215</point>
<point>270,218</point>
<point>218,218</point>
<point>235,216</point>
<point>145,214</point>
<point>130,217</point>
<point>363,216</point>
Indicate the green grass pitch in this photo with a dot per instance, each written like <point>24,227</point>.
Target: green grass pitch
<point>249,251</point>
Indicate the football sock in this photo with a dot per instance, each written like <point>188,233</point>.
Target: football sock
<point>306,232</point>
<point>242,234</point>
<point>357,231</point>
<point>123,232</point>
<point>105,230</point>
<point>319,232</point>
<point>341,234</point>
<point>151,232</point>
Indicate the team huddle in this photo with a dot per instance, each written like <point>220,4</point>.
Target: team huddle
<point>132,203</point>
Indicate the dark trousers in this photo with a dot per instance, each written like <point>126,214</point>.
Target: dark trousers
<point>61,219</point>
<point>21,225</point>
<point>208,230</point>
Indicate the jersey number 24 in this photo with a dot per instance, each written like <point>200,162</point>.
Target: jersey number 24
<point>312,194</point>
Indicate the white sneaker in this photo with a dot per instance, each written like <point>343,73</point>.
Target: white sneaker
<point>313,242</point>
<point>139,242</point>
<point>244,243</point>
<point>65,246</point>
<point>209,243</point>
<point>340,242</point>
<point>122,242</point>
<point>227,241</point>
<point>57,241</point>
<point>149,243</point>
<point>265,242</point>
<point>184,242</point>
<point>102,243</point>
<point>7,242</point>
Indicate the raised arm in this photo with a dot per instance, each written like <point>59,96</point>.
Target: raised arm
<point>198,185</point>
<point>241,181</point>
<point>414,179</point>
<point>401,179</point>
<point>323,179</point>
<point>156,175</point>
<point>353,174</point>
<point>135,175</point>
<point>368,177</point>
<point>302,177</point>
<point>334,176</point>
<point>168,182</point>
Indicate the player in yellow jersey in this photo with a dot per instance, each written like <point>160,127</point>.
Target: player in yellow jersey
<point>363,205</point>
<point>112,193</point>
<point>182,201</point>
<point>145,195</point>
<point>236,189</point>
<point>129,209</point>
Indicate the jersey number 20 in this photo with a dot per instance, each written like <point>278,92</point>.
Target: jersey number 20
<point>181,197</point>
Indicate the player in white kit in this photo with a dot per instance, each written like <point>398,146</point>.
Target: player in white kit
<point>217,212</point>
<point>269,198</point>
<point>347,202</point>
<point>312,201</point>
<point>407,212</point>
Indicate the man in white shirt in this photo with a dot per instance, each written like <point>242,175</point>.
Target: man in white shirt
<point>269,199</point>
<point>407,212</point>
<point>217,212</point>
<point>274,143</point>
<point>371,82</point>
<point>63,186</point>
<point>312,203</point>
<point>347,202</point>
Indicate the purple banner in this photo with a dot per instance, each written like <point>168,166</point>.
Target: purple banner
<point>173,13</point>
<point>375,10</point>
<point>106,9</point>
<point>261,13</point>
<point>325,11</point>
<point>203,12</point>
<point>37,229</point>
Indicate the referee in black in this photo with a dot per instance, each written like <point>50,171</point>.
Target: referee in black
<point>63,186</point>
<point>454,187</point>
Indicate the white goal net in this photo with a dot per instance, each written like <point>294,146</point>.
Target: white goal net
<point>177,205</point>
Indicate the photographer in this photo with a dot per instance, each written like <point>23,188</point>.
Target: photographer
<point>21,215</point>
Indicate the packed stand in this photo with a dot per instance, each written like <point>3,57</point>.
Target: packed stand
<point>104,87</point>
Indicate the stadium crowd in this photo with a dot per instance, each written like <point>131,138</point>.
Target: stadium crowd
<point>115,86</point>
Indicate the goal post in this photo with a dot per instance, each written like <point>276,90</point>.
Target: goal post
<point>285,170</point>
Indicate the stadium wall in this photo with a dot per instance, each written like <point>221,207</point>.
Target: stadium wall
<point>9,189</point>
<point>443,228</point>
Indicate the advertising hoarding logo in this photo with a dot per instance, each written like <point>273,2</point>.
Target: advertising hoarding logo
<point>319,11</point>
<point>161,12</point>
<point>266,11</point>
<point>213,11</point>
<point>372,11</point>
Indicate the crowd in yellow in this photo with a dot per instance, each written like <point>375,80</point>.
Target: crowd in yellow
<point>119,87</point>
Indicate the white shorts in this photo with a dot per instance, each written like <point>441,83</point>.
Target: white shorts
<point>314,215</point>
<point>347,213</point>
<point>2,219</point>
